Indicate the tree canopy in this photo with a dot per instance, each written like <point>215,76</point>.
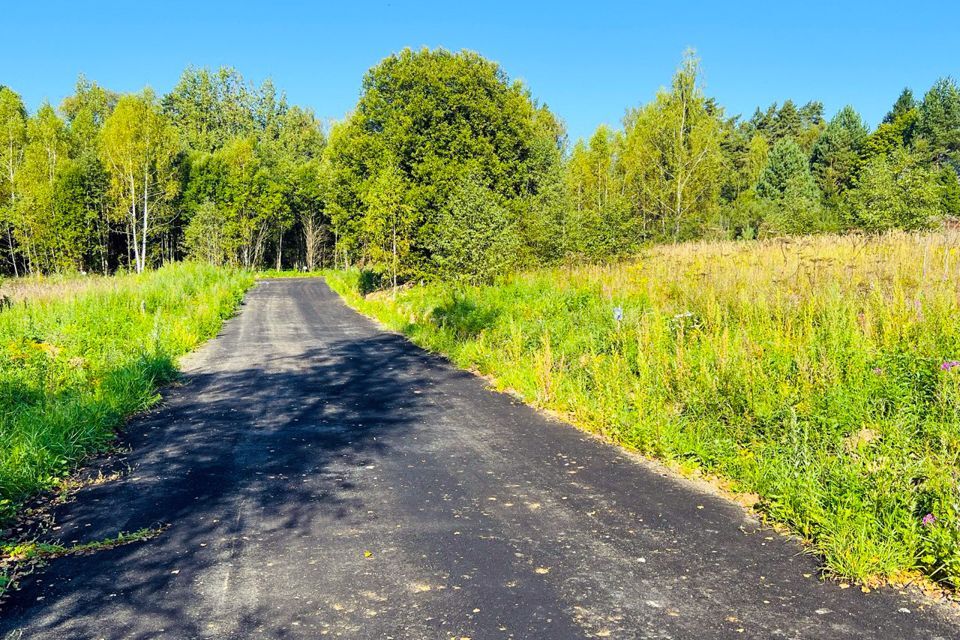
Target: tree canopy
<point>446,168</point>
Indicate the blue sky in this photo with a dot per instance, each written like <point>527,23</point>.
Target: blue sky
<point>589,61</point>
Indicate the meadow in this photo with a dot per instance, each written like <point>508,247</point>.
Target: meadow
<point>79,355</point>
<point>817,377</point>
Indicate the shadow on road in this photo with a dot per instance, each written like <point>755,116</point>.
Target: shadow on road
<point>232,458</point>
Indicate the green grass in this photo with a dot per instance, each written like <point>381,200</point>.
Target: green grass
<point>808,373</point>
<point>78,356</point>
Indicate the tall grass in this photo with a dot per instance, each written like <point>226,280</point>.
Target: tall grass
<point>816,374</point>
<point>73,365</point>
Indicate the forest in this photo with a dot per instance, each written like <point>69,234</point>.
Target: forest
<point>446,168</point>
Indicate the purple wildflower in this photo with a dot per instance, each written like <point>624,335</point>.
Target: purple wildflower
<point>950,365</point>
<point>878,371</point>
<point>928,519</point>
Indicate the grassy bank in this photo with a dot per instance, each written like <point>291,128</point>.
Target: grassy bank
<point>77,356</point>
<point>816,374</point>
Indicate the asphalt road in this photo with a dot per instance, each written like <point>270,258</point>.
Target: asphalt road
<point>323,478</point>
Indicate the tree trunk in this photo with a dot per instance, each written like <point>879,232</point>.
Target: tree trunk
<point>133,224</point>
<point>394,253</point>
<point>146,197</point>
<point>13,203</point>
<point>279,249</point>
<point>13,256</point>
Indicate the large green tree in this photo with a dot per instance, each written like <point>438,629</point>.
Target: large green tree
<point>939,121</point>
<point>430,117</point>
<point>897,191</point>
<point>788,193</point>
<point>599,222</point>
<point>47,239</point>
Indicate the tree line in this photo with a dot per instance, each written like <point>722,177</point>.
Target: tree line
<point>446,168</point>
<point>218,169</point>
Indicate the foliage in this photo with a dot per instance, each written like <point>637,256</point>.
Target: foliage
<point>672,156</point>
<point>818,374</point>
<point>424,120</point>
<point>895,193</point>
<point>225,170</point>
<point>939,121</point>
<point>787,191</point>
<point>836,155</point>
<point>476,238</point>
<point>138,146</point>
<point>599,223</point>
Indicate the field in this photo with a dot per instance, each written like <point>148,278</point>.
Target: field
<point>818,377</point>
<point>79,355</point>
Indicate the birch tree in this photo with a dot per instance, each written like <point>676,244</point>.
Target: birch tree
<point>139,146</point>
<point>672,154</point>
<point>13,138</point>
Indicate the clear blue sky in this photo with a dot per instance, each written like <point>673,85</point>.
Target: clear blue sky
<point>589,61</point>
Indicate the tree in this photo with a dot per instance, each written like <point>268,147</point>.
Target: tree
<point>949,191</point>
<point>13,138</point>
<point>204,235</point>
<point>38,229</point>
<point>138,146</point>
<point>210,108</point>
<point>477,239</point>
<point>803,125</point>
<point>741,216</point>
<point>438,116</point>
<point>672,156</point>
<point>894,192</point>
<point>836,155</point>
<point>598,225</point>
<point>939,121</point>
<point>86,183</point>
<point>891,135</point>
<point>387,220</point>
<point>788,193</point>
<point>904,104</point>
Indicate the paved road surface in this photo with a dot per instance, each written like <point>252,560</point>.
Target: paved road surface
<point>322,478</point>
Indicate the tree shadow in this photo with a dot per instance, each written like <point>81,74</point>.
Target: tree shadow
<point>273,448</point>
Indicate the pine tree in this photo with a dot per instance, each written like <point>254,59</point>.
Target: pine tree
<point>788,193</point>
<point>939,121</point>
<point>905,103</point>
<point>836,155</point>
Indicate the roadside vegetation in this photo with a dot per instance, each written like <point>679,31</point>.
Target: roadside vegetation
<point>820,375</point>
<point>81,354</point>
<point>447,169</point>
<point>755,340</point>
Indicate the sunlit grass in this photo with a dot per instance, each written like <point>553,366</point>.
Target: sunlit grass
<point>813,372</point>
<point>78,355</point>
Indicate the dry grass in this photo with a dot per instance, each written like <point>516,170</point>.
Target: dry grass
<point>813,372</point>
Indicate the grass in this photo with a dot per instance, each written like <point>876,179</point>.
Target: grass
<point>813,374</point>
<point>77,356</point>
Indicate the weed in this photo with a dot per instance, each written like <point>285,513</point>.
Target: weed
<point>818,374</point>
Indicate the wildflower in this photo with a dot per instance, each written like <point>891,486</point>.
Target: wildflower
<point>928,519</point>
<point>878,371</point>
<point>950,365</point>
